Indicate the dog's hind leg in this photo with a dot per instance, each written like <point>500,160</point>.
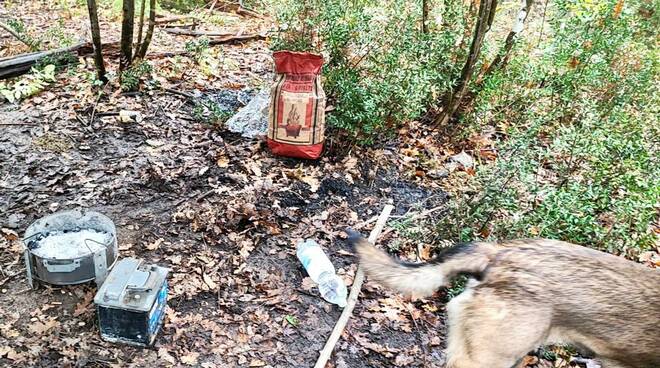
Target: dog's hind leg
<point>487,331</point>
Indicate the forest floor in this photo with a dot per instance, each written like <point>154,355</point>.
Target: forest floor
<point>218,209</point>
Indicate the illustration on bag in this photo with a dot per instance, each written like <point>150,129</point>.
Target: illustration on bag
<point>293,126</point>
<point>297,107</point>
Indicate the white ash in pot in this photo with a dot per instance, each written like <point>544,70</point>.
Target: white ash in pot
<point>70,244</point>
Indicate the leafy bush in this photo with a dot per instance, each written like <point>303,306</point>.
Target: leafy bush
<point>578,128</point>
<point>131,78</point>
<point>210,112</point>
<point>198,48</point>
<point>29,84</point>
<point>380,68</point>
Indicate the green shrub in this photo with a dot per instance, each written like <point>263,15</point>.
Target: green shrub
<point>27,85</point>
<point>198,48</point>
<point>208,111</point>
<point>578,154</point>
<point>380,69</point>
<point>131,78</point>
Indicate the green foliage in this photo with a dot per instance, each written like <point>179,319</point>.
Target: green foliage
<point>60,60</point>
<point>183,6</point>
<point>29,84</point>
<point>19,27</point>
<point>55,36</point>
<point>292,320</point>
<point>579,155</point>
<point>198,48</point>
<point>132,77</point>
<point>380,69</point>
<point>209,112</point>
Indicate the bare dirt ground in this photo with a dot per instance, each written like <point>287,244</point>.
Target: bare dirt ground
<point>234,273</point>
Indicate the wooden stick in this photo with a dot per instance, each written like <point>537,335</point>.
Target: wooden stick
<point>190,32</point>
<point>12,32</point>
<point>236,38</point>
<point>353,296</point>
<point>416,217</point>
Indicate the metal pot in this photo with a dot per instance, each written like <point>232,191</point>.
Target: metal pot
<point>70,270</point>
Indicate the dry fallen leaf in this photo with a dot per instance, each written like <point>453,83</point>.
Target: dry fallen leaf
<point>257,363</point>
<point>208,281</point>
<point>190,358</point>
<point>165,355</point>
<point>223,161</point>
<point>308,284</point>
<point>312,182</point>
<point>155,245</point>
<point>39,328</point>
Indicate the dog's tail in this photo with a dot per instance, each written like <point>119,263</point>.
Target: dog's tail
<point>418,280</point>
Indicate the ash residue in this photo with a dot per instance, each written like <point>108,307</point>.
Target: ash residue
<point>229,100</point>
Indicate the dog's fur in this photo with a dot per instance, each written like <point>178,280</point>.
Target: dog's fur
<point>527,293</point>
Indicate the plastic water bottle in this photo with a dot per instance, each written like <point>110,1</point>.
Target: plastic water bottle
<point>321,270</point>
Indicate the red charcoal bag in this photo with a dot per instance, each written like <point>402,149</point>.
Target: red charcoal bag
<point>296,120</point>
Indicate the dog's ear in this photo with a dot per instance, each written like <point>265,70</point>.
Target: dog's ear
<point>353,237</point>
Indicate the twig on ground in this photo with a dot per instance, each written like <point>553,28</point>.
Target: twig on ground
<point>416,217</point>
<point>242,10</point>
<point>165,20</point>
<point>190,32</point>
<point>364,223</point>
<point>353,296</point>
<point>179,93</point>
<point>236,38</point>
<point>12,32</point>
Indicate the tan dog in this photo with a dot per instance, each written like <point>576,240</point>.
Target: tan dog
<point>527,293</point>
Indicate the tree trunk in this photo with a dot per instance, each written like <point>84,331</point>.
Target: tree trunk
<point>128,13</point>
<point>484,20</point>
<point>96,40</point>
<point>425,16</point>
<point>502,57</point>
<point>140,25</point>
<point>142,52</point>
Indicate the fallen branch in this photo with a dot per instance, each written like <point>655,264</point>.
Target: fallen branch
<point>11,31</point>
<point>165,20</point>
<point>416,217</point>
<point>16,65</point>
<point>353,296</point>
<point>242,10</point>
<point>236,38</point>
<point>248,12</point>
<point>21,64</point>
<point>190,32</point>
<point>179,93</point>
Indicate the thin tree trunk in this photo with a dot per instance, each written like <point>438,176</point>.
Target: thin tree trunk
<point>128,13</point>
<point>425,16</point>
<point>484,20</point>
<point>96,40</point>
<point>502,57</point>
<point>140,25</point>
<point>142,52</point>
